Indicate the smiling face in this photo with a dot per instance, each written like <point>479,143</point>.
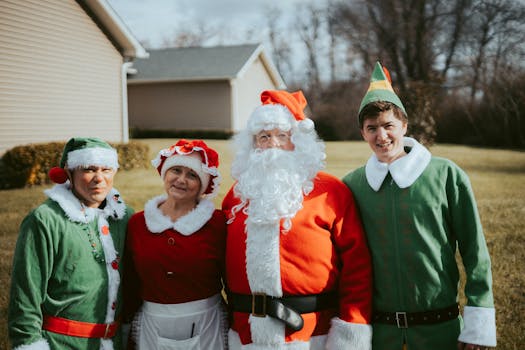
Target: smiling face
<point>91,185</point>
<point>384,135</point>
<point>182,183</point>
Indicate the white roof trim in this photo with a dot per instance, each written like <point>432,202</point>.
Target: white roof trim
<point>267,62</point>
<point>116,27</point>
<point>178,80</point>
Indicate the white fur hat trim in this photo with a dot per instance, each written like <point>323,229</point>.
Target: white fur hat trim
<point>192,161</point>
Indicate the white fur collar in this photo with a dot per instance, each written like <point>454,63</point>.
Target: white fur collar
<point>190,223</point>
<point>405,170</point>
<point>76,212</point>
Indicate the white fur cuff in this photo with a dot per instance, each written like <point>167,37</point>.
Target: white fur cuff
<point>346,335</point>
<point>41,344</point>
<point>479,326</point>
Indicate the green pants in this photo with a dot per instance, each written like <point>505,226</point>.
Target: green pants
<point>440,336</point>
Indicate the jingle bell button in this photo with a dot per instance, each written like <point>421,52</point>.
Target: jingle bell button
<point>169,274</point>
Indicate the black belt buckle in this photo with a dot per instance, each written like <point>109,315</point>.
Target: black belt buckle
<point>255,309</point>
<point>401,319</point>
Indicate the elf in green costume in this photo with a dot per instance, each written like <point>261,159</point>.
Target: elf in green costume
<point>418,210</point>
<point>66,269</point>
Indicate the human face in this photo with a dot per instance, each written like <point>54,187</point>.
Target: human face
<point>274,138</point>
<point>384,135</point>
<point>182,183</point>
<point>91,185</point>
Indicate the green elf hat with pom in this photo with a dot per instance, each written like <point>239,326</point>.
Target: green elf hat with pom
<point>380,89</point>
<point>84,152</point>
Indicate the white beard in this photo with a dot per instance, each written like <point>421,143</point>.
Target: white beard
<point>272,186</point>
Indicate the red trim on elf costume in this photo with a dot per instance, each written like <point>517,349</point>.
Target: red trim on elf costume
<point>79,329</point>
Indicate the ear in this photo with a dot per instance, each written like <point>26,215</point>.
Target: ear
<point>405,128</point>
<point>362,133</point>
<point>69,173</point>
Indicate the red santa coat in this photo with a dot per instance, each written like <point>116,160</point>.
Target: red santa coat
<point>325,250</point>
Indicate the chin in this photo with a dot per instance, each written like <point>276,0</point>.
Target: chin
<point>99,198</point>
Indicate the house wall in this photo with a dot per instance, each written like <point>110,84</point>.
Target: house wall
<point>179,105</point>
<point>60,76</point>
<point>248,88</point>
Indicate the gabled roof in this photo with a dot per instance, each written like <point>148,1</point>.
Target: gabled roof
<point>200,64</point>
<point>103,14</point>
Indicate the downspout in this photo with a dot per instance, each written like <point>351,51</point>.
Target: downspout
<point>233,107</point>
<point>124,89</point>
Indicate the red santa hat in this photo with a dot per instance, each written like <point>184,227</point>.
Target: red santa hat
<point>195,155</point>
<point>280,109</point>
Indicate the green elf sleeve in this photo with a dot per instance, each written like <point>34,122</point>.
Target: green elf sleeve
<point>32,264</point>
<point>479,313</point>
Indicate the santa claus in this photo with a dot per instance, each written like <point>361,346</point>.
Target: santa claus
<point>297,264</point>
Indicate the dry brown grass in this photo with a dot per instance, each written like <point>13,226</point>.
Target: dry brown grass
<point>497,177</point>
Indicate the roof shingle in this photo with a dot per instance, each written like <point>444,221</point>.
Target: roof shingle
<point>193,63</point>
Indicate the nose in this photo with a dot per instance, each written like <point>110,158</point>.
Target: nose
<point>381,133</point>
<point>274,142</point>
<point>182,178</point>
<point>98,176</point>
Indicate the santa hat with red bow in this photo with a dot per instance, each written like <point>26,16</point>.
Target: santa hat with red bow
<point>196,155</point>
<point>282,110</point>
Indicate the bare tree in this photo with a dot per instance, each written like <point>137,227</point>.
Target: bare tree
<point>403,35</point>
<point>279,42</point>
<point>332,41</point>
<point>310,23</point>
<point>191,34</point>
<point>496,34</point>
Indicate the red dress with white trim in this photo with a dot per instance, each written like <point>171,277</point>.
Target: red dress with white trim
<point>176,267</point>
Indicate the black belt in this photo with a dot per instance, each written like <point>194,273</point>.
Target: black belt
<point>287,309</point>
<point>406,319</point>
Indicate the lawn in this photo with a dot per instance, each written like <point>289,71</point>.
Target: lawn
<point>497,177</point>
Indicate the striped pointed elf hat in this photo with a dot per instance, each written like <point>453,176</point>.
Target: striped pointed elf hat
<point>380,89</point>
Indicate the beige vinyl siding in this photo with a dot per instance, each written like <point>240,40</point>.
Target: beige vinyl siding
<point>60,76</point>
<point>248,90</point>
<point>180,105</point>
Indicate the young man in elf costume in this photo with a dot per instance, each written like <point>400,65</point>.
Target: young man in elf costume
<point>297,265</point>
<point>418,210</point>
<point>66,274</point>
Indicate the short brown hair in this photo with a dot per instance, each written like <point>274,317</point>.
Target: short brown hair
<point>373,109</point>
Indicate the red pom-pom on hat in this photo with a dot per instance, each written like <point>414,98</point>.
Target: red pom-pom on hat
<point>58,175</point>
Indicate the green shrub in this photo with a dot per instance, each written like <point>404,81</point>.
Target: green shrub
<point>188,134</point>
<point>132,155</point>
<point>28,165</point>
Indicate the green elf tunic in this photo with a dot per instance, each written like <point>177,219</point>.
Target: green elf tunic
<point>66,264</point>
<point>417,212</point>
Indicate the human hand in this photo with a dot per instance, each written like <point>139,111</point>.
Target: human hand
<point>465,346</point>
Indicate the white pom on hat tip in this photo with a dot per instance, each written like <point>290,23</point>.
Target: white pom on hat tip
<point>306,125</point>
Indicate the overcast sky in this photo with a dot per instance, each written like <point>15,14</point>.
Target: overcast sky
<point>155,20</point>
